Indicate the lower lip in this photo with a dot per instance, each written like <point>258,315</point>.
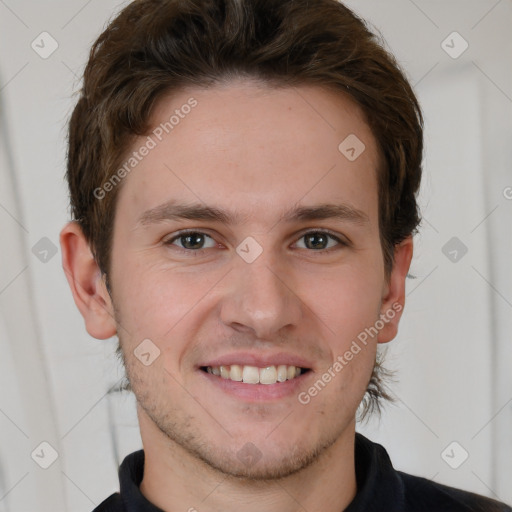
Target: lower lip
<point>257,392</point>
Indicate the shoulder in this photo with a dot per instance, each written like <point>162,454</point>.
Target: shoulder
<point>112,504</point>
<point>421,494</point>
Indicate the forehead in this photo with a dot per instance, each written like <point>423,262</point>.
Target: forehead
<point>255,148</point>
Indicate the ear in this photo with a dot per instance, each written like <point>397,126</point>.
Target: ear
<point>86,282</point>
<point>393,297</point>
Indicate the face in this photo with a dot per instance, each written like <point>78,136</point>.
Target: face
<point>276,264</point>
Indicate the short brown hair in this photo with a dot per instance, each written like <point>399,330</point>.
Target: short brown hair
<point>154,47</point>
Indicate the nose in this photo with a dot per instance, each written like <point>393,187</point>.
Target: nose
<point>260,298</point>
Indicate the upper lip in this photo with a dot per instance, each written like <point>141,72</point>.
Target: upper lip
<point>259,360</point>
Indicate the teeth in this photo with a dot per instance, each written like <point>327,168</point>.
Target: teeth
<point>235,372</point>
<point>268,375</point>
<point>251,375</point>
<point>282,373</point>
<point>254,375</point>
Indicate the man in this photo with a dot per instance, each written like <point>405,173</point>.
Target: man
<point>243,179</point>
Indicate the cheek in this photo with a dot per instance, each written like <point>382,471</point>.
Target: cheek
<point>347,300</point>
<point>155,302</point>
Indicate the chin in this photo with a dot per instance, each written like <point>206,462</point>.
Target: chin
<point>250,463</point>
<point>261,460</point>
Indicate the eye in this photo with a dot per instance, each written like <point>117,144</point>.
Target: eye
<point>194,241</point>
<point>319,240</point>
<point>191,240</point>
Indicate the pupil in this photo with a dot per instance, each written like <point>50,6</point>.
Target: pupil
<point>195,241</point>
<point>192,241</point>
<point>316,236</point>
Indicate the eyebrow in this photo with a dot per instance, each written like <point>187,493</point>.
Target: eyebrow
<point>172,210</point>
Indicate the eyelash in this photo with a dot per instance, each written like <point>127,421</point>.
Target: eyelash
<point>199,252</point>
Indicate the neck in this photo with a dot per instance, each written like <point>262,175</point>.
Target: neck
<point>176,480</point>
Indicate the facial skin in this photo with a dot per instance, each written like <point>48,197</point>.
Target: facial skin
<point>256,152</point>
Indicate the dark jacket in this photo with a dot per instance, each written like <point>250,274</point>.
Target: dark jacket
<point>380,488</point>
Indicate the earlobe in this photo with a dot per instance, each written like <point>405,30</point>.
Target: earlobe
<point>86,282</point>
<point>393,300</point>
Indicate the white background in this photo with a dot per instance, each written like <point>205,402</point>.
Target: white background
<point>453,355</point>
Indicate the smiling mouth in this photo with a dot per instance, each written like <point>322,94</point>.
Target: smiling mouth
<point>255,375</point>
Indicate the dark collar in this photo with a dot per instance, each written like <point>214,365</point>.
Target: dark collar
<point>131,472</point>
<point>377,481</point>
